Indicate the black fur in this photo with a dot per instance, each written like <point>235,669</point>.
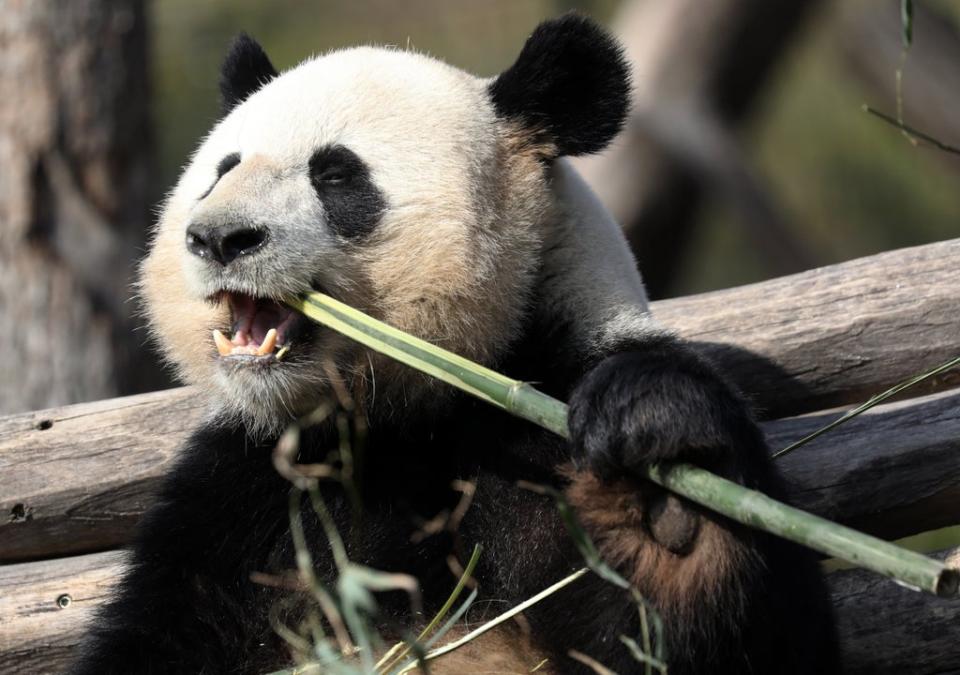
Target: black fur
<point>351,200</point>
<point>188,604</point>
<point>246,69</point>
<point>227,163</point>
<point>223,167</point>
<point>657,403</point>
<point>570,83</point>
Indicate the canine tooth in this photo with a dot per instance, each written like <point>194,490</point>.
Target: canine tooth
<point>224,346</point>
<point>283,352</point>
<point>269,342</point>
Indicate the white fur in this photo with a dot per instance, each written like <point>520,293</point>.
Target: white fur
<point>454,258</point>
<point>594,281</point>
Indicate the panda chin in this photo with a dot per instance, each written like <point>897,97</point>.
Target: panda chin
<point>263,330</point>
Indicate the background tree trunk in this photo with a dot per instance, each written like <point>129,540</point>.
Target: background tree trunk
<point>74,199</point>
<point>697,67</point>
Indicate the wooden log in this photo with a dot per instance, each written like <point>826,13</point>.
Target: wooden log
<point>883,627</point>
<point>893,471</point>
<point>834,335</point>
<point>44,606</point>
<point>76,479</point>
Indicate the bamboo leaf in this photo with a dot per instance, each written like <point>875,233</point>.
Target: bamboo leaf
<point>906,22</point>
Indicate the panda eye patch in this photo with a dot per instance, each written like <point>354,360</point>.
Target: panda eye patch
<point>227,163</point>
<point>352,202</point>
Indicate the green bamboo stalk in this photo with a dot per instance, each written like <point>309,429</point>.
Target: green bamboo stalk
<point>730,499</point>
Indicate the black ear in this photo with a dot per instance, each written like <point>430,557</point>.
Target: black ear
<point>246,69</point>
<point>570,82</point>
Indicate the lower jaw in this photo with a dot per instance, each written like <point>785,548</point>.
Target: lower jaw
<point>236,361</point>
<point>240,368</point>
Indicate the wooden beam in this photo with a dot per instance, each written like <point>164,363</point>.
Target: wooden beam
<point>44,606</point>
<point>883,627</point>
<point>76,479</point>
<point>892,472</point>
<point>835,335</point>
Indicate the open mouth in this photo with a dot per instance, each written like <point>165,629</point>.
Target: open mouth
<point>263,329</point>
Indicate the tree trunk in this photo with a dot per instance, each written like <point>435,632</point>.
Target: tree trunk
<point>74,190</point>
<point>697,67</point>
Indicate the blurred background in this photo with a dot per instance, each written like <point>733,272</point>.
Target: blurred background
<point>748,154</point>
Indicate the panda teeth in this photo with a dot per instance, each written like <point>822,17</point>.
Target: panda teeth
<point>224,346</point>
<point>269,342</point>
<point>227,347</point>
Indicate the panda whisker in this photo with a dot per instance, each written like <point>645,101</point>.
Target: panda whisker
<point>373,378</point>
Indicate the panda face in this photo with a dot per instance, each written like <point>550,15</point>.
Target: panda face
<point>392,181</point>
<point>377,176</point>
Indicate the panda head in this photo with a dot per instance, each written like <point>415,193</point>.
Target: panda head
<point>392,181</point>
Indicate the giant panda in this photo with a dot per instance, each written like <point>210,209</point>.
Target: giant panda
<point>441,203</point>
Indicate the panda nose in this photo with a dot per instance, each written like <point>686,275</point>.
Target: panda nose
<point>224,243</point>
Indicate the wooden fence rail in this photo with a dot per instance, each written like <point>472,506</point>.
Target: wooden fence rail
<point>75,480</point>
<point>81,483</point>
<point>834,335</point>
<point>883,627</point>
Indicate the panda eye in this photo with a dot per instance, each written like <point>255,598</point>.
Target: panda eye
<point>331,175</point>
<point>334,166</point>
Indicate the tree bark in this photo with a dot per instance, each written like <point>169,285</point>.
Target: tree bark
<point>82,483</point>
<point>45,606</point>
<point>74,191</point>
<point>834,335</point>
<point>885,628</point>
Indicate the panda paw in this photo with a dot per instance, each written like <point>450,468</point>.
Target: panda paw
<point>663,403</point>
